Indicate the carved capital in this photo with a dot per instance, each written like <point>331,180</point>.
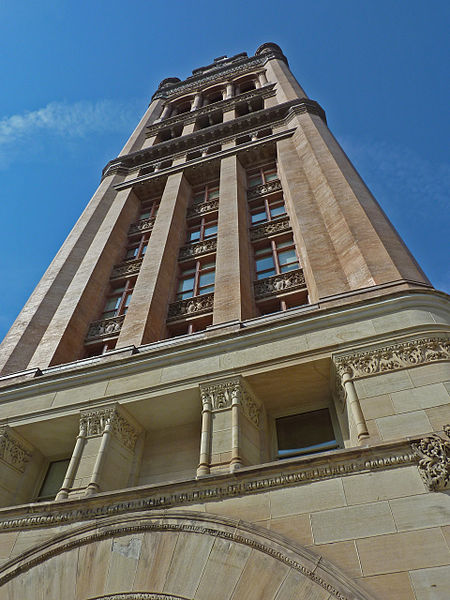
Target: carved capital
<point>396,356</point>
<point>433,452</point>
<point>223,394</point>
<point>94,423</point>
<point>13,450</point>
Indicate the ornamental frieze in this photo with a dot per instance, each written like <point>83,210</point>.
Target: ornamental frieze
<point>197,305</point>
<point>193,250</point>
<point>433,452</point>
<point>277,284</point>
<point>105,328</point>
<point>12,450</point>
<point>270,228</point>
<point>94,423</point>
<point>396,356</point>
<point>126,269</point>
<point>201,208</point>
<point>264,188</point>
<point>141,226</point>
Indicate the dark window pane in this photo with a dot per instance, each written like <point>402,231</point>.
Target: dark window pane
<point>286,257</point>
<point>305,433</point>
<point>210,231</point>
<point>264,263</point>
<point>54,479</point>
<point>206,279</point>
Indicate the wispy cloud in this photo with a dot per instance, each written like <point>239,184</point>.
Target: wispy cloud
<point>74,120</point>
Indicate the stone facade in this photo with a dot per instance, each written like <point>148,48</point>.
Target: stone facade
<point>142,407</point>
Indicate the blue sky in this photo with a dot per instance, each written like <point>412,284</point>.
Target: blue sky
<point>77,76</point>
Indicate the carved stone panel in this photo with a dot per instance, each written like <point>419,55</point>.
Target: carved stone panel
<point>127,269</point>
<point>197,305</point>
<point>12,450</point>
<point>143,225</point>
<point>201,208</point>
<point>264,188</point>
<point>270,228</point>
<point>277,284</point>
<point>433,452</point>
<point>193,250</point>
<point>105,328</point>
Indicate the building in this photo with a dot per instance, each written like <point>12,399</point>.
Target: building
<point>230,382</point>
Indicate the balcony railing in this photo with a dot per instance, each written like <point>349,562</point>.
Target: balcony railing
<point>279,284</point>
<point>197,305</point>
<point>264,188</point>
<point>201,208</point>
<point>126,269</point>
<point>105,328</point>
<point>193,250</point>
<point>140,226</point>
<point>270,228</point>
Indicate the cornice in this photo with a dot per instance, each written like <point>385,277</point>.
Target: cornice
<point>211,134</point>
<point>298,321</point>
<point>248,480</point>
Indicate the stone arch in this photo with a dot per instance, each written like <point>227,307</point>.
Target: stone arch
<point>167,555</point>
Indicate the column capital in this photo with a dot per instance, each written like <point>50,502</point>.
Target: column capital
<point>94,423</point>
<point>14,450</point>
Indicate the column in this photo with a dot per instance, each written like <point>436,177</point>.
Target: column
<point>262,78</point>
<point>197,101</point>
<point>145,320</point>
<point>232,420</point>
<point>229,90</point>
<point>73,464</point>
<point>166,112</point>
<point>354,405</point>
<point>233,297</point>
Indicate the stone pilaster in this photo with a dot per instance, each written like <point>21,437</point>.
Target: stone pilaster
<point>232,419</point>
<point>233,297</point>
<point>145,320</point>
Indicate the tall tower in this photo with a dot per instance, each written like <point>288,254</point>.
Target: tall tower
<point>230,382</point>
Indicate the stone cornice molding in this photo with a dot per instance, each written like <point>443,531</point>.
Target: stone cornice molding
<point>190,117</point>
<point>404,355</point>
<point>93,423</point>
<point>434,459</point>
<point>14,451</point>
<point>197,82</point>
<point>248,480</point>
<point>212,134</point>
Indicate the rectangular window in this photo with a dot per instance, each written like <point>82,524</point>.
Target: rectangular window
<point>118,301</point>
<point>267,209</point>
<point>261,175</point>
<point>275,257</point>
<point>53,479</point>
<point>209,191</point>
<point>305,433</point>
<point>196,280</point>
<point>203,229</point>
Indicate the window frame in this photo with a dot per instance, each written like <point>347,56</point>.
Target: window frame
<point>124,300</point>
<point>274,251</point>
<point>263,172</point>
<point>201,226</point>
<point>200,267</point>
<point>266,202</point>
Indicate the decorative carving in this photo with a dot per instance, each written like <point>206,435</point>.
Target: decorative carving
<point>434,459</point>
<point>222,394</point>
<point>391,358</point>
<point>346,462</point>
<point>126,269</point>
<point>201,208</point>
<point>105,328</point>
<point>270,228</point>
<point>193,250</point>
<point>197,305</point>
<point>143,225</point>
<point>12,450</point>
<point>139,596</point>
<point>251,407</point>
<point>264,188</point>
<point>94,422</point>
<point>278,284</point>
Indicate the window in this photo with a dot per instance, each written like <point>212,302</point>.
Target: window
<point>305,433</point>
<point>53,479</point>
<point>261,175</point>
<point>138,248</point>
<point>118,301</point>
<point>196,280</point>
<point>275,257</point>
<point>149,210</point>
<point>266,209</point>
<point>204,229</point>
<point>207,192</point>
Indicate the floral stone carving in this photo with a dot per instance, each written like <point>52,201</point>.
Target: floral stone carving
<point>143,225</point>
<point>264,188</point>
<point>94,422</point>
<point>193,250</point>
<point>200,208</point>
<point>280,283</point>
<point>105,327</point>
<point>191,306</point>
<point>270,228</point>
<point>434,460</point>
<point>12,451</point>
<point>223,394</point>
<point>126,269</point>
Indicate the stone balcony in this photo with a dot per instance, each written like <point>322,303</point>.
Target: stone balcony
<point>264,188</point>
<point>191,251</point>
<point>126,269</point>
<point>105,328</point>
<point>279,284</point>
<point>191,307</point>
<point>268,228</point>
<point>142,226</point>
<point>201,208</point>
